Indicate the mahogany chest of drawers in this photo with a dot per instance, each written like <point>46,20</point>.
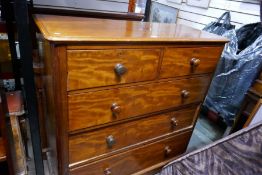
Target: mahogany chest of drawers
<point>122,96</point>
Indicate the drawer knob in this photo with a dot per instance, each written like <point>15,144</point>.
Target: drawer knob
<point>168,150</point>
<point>185,94</point>
<point>107,171</point>
<point>110,141</point>
<point>194,62</point>
<point>115,108</point>
<point>120,69</point>
<point>173,121</point>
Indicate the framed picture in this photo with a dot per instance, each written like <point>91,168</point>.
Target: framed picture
<point>175,1</point>
<point>162,13</point>
<point>199,3</point>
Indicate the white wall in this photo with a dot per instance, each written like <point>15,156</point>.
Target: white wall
<point>95,5</point>
<point>258,117</point>
<point>242,12</point>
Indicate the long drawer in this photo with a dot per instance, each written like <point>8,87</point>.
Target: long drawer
<point>134,160</point>
<point>104,106</point>
<point>93,68</point>
<point>102,141</point>
<point>189,61</point>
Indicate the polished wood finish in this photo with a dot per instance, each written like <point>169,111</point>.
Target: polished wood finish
<point>94,107</point>
<point>117,100</point>
<point>127,134</point>
<point>56,110</point>
<point>92,68</point>
<point>137,159</point>
<point>76,29</point>
<point>189,61</point>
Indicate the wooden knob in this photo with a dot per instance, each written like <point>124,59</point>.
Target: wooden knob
<point>173,121</point>
<point>168,150</point>
<point>115,108</point>
<point>194,62</point>
<point>185,94</point>
<point>107,171</point>
<point>110,141</point>
<point>120,69</point>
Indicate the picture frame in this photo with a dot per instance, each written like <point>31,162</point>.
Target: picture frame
<point>175,1</point>
<point>199,3</point>
<point>162,13</point>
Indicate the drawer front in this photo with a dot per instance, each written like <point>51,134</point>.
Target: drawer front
<point>188,61</point>
<point>100,107</point>
<point>137,159</point>
<point>91,144</point>
<point>93,68</point>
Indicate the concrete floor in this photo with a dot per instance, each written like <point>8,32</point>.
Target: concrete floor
<point>205,132</point>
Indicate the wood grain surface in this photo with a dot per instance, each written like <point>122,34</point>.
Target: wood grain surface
<point>19,152</point>
<point>93,68</point>
<point>86,101</point>
<point>55,94</point>
<point>2,150</point>
<point>134,160</point>
<point>7,149</point>
<point>94,108</point>
<point>257,86</point>
<point>176,61</point>
<point>76,29</point>
<point>92,144</point>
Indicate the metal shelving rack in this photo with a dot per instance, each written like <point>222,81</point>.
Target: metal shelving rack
<point>18,20</point>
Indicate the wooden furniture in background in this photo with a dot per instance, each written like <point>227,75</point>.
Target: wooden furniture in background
<point>5,153</point>
<point>12,149</point>
<point>87,11</point>
<point>2,150</point>
<point>255,116</point>
<point>16,109</point>
<point>113,103</point>
<point>90,14</point>
<point>132,6</point>
<point>249,106</point>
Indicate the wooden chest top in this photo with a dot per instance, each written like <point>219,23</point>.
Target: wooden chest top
<point>73,29</point>
<point>121,96</point>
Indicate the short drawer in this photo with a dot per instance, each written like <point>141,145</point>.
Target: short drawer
<point>102,141</point>
<point>137,159</point>
<point>188,61</point>
<point>104,106</point>
<point>94,68</point>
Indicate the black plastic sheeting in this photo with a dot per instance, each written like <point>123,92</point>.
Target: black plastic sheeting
<point>240,63</point>
<point>221,25</point>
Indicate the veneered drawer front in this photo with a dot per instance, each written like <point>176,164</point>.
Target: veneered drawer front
<point>93,68</point>
<point>102,141</point>
<point>187,61</point>
<point>137,159</point>
<point>100,107</point>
